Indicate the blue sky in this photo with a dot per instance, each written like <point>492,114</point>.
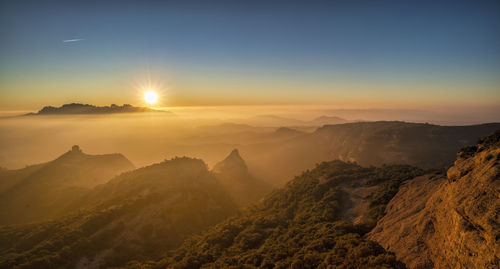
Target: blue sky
<point>351,53</point>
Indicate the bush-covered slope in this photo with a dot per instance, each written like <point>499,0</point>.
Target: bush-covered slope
<point>300,225</point>
<point>136,216</point>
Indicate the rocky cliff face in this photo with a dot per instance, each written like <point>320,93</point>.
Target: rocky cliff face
<point>452,221</point>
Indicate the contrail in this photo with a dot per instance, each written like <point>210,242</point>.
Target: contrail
<point>72,40</point>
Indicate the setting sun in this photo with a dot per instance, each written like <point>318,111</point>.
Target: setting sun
<point>150,97</point>
<point>245,134</point>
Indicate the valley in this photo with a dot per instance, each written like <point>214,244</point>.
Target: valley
<point>179,213</point>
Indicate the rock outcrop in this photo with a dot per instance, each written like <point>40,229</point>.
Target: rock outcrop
<point>232,173</point>
<point>452,221</point>
<point>233,164</point>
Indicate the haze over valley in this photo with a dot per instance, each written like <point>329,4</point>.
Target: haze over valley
<point>249,134</point>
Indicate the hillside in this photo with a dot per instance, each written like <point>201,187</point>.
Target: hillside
<point>42,192</point>
<point>232,173</point>
<point>178,214</point>
<point>367,143</point>
<point>137,215</point>
<point>452,221</point>
<point>9,178</point>
<point>300,226</point>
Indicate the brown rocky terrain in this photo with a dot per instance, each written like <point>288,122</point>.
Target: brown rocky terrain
<point>452,221</point>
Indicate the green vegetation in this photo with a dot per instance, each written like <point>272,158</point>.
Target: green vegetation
<point>299,226</point>
<point>137,216</point>
<point>142,218</point>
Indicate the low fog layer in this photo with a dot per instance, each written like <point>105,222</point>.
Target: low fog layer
<point>144,138</point>
<point>276,144</point>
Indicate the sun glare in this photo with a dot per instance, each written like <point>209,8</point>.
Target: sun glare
<point>150,97</point>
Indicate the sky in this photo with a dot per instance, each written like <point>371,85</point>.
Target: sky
<point>342,54</point>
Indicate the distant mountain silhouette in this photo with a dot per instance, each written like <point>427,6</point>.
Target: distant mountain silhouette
<point>275,121</point>
<point>325,120</point>
<point>367,143</point>
<point>76,108</point>
<point>44,191</point>
<point>287,132</point>
<point>233,174</point>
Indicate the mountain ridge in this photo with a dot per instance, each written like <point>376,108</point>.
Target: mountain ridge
<point>179,214</point>
<point>367,143</point>
<point>78,108</point>
<point>44,191</point>
<point>137,215</point>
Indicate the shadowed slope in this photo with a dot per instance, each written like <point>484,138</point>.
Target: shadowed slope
<point>137,215</point>
<point>42,192</point>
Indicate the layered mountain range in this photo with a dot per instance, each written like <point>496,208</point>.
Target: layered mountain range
<point>367,143</point>
<point>110,220</point>
<point>339,214</point>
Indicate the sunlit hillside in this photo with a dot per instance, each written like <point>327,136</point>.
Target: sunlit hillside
<point>249,134</point>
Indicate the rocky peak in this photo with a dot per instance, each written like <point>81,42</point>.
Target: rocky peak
<point>233,174</point>
<point>481,158</point>
<point>234,154</point>
<point>75,153</point>
<point>483,143</point>
<point>233,163</point>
